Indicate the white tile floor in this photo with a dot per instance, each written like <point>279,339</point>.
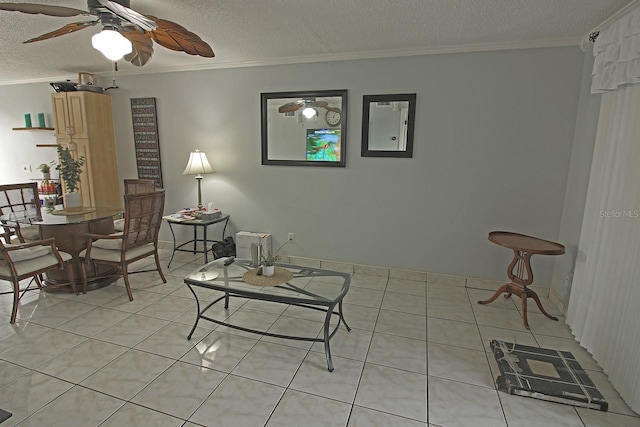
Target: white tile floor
<point>417,356</point>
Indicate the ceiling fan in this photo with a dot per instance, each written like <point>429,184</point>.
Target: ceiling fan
<point>134,32</point>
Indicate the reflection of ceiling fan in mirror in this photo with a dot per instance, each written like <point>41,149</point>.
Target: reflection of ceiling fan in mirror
<point>125,32</point>
<point>309,109</point>
<point>302,103</point>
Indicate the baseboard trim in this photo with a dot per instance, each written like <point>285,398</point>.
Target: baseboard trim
<point>558,301</point>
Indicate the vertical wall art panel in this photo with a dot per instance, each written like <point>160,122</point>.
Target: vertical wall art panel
<point>145,137</point>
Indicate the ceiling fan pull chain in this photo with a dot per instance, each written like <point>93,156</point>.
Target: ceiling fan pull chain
<point>113,77</point>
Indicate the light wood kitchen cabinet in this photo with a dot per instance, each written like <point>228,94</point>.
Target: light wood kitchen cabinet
<point>83,121</point>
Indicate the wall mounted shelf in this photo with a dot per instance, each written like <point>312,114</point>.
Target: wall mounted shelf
<point>39,128</point>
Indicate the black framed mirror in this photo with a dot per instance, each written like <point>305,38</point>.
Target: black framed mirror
<point>307,128</point>
<point>387,125</point>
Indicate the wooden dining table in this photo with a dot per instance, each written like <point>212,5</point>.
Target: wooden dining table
<point>70,230</point>
<point>519,270</point>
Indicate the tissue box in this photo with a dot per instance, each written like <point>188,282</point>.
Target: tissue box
<point>206,215</point>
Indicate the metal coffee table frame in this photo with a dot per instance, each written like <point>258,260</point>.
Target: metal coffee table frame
<point>287,293</point>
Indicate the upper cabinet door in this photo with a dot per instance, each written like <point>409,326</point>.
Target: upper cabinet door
<point>60,114</point>
<point>78,114</point>
<point>70,115</point>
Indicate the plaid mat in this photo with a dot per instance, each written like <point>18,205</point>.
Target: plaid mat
<point>545,374</point>
<point>4,415</point>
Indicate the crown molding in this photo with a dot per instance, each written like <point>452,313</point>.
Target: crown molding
<point>394,53</point>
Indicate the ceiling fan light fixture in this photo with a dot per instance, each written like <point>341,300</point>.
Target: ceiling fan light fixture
<point>309,112</point>
<point>111,43</point>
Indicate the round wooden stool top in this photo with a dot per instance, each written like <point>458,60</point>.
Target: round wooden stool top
<point>522,242</point>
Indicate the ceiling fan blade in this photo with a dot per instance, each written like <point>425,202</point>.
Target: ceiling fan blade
<point>320,104</point>
<point>69,28</point>
<point>142,48</point>
<point>289,107</point>
<point>129,15</point>
<point>43,9</point>
<point>175,37</point>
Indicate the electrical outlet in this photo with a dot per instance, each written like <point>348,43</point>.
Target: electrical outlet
<point>26,168</point>
<point>291,237</point>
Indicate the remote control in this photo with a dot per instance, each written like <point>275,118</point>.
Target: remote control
<point>229,261</point>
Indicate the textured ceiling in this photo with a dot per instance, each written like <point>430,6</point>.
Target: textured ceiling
<point>255,32</point>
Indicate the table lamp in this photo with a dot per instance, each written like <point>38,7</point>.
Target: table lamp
<point>198,165</point>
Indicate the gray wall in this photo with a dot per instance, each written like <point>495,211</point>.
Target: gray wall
<point>493,139</point>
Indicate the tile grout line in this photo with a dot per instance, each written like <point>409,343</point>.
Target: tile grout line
<point>486,355</point>
<point>364,362</point>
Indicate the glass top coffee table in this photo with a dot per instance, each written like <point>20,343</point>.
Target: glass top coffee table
<point>307,287</point>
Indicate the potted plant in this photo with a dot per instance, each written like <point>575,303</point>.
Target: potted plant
<point>70,170</point>
<point>45,168</point>
<point>269,258</point>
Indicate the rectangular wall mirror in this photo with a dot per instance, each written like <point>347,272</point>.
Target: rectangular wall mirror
<point>306,128</point>
<point>387,125</point>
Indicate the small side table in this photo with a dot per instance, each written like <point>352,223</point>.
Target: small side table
<point>195,223</point>
<point>519,271</point>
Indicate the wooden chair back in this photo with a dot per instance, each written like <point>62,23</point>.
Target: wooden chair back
<point>19,198</point>
<point>142,218</point>
<point>137,186</point>
<point>19,201</point>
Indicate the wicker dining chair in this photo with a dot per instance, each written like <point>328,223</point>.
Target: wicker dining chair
<point>22,202</point>
<point>134,186</point>
<point>139,240</point>
<point>19,262</point>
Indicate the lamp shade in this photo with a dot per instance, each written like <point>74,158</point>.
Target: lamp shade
<point>112,44</point>
<point>198,164</point>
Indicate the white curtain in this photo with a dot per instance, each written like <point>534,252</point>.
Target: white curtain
<point>617,54</point>
<point>604,308</point>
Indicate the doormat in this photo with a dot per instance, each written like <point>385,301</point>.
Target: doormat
<point>4,415</point>
<point>545,374</point>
